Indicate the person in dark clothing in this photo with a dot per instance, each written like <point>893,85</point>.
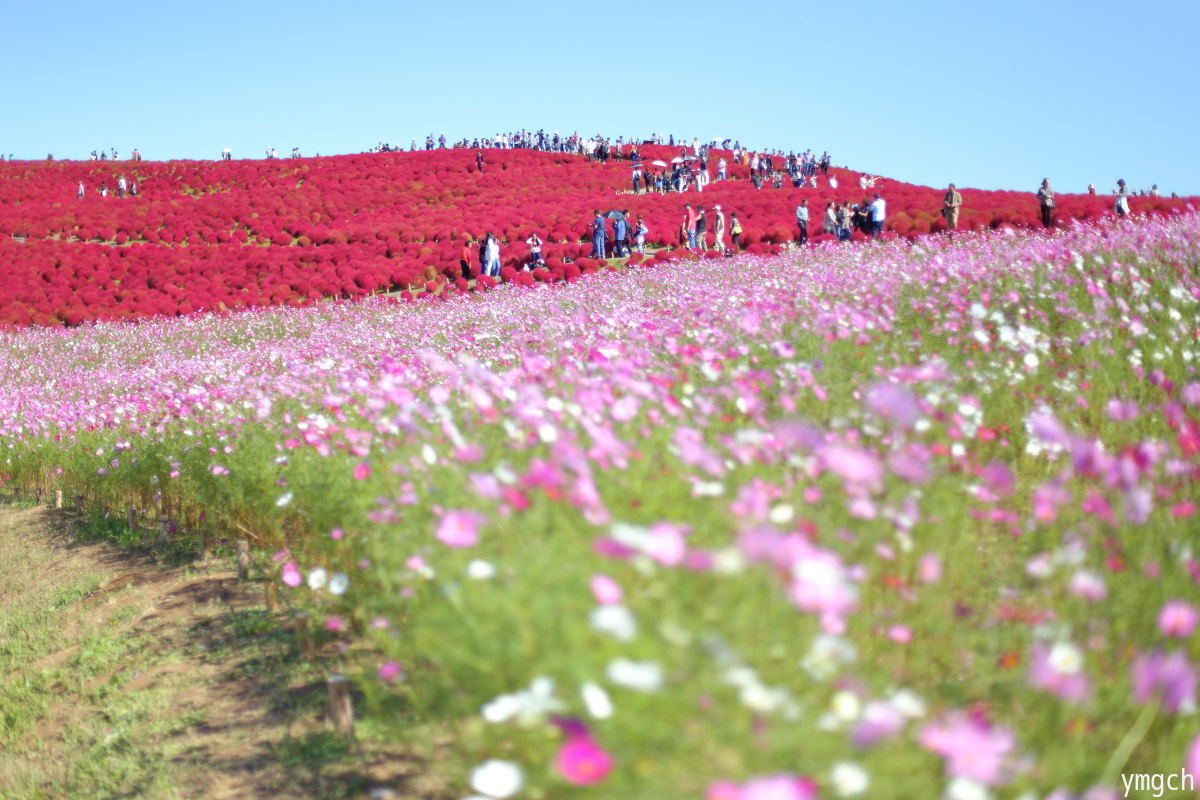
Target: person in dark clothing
<point>597,235</point>
<point>701,229</point>
<point>1045,197</point>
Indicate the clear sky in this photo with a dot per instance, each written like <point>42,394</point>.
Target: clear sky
<point>986,94</point>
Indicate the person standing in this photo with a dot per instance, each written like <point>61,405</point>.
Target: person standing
<point>689,221</point>
<point>1045,197</point>
<point>639,233</point>
<point>735,232</point>
<point>802,221</point>
<point>620,236</point>
<point>597,235</point>
<point>535,251</point>
<point>1121,206</point>
<point>79,191</point>
<point>878,216</point>
<point>721,167</point>
<point>951,204</point>
<point>830,223</point>
<point>122,185</point>
<point>845,222</point>
<point>493,250</point>
<point>464,260</point>
<point>478,161</point>
<point>701,229</point>
<point>719,230</point>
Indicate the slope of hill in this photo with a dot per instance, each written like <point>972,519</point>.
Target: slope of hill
<point>226,235</point>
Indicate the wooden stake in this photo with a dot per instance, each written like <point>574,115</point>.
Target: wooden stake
<point>79,504</point>
<point>132,518</point>
<point>38,498</point>
<point>341,706</point>
<point>304,634</point>
<point>58,498</point>
<point>205,546</point>
<point>243,559</point>
<point>272,596</point>
<point>163,522</point>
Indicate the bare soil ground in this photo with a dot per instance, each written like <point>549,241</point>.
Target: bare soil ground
<point>124,678</point>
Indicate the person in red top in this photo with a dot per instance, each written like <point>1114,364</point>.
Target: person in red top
<point>464,260</point>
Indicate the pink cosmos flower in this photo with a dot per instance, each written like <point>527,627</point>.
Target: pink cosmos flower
<point>972,748</point>
<point>1191,759</point>
<point>893,403</point>
<point>666,544</point>
<point>389,671</point>
<point>1177,619</point>
<point>779,787</point>
<point>930,568</point>
<point>460,528</point>
<point>606,590</point>
<point>291,574</point>
<point>335,624</point>
<point>1171,677</point>
<point>1059,669</point>
<point>859,470</point>
<point>583,762</point>
<point>362,471</point>
<point>880,720</point>
<point>901,634</point>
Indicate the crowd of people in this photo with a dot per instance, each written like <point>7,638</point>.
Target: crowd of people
<point>124,187</point>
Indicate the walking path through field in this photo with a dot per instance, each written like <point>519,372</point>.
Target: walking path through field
<point>124,678</point>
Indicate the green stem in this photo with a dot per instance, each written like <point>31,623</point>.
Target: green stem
<point>1132,739</point>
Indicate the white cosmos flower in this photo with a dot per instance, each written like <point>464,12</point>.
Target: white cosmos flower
<point>528,707</point>
<point>908,703</point>
<point>598,703</point>
<point>498,779</point>
<point>826,656</point>
<point>339,583</point>
<point>614,620</point>
<point>782,514</point>
<point>1065,658</point>
<point>284,499</point>
<point>429,454</point>
<point>316,579</point>
<point>967,789</point>
<point>641,676</point>
<point>480,570</point>
<point>849,780</point>
<point>846,706</point>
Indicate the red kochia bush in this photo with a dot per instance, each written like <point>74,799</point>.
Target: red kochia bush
<point>367,222</point>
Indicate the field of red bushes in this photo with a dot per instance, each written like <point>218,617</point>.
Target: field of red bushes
<point>236,234</point>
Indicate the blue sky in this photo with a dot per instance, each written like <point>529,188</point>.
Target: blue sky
<point>989,95</point>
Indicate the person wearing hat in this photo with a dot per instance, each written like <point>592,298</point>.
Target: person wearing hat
<point>951,203</point>
<point>719,230</point>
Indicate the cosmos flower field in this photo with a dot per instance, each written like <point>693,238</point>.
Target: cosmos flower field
<point>910,519</point>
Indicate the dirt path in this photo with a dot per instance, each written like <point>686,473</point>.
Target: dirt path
<point>122,678</point>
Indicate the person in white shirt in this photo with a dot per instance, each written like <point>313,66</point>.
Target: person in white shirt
<point>878,216</point>
<point>79,192</point>
<point>721,169</point>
